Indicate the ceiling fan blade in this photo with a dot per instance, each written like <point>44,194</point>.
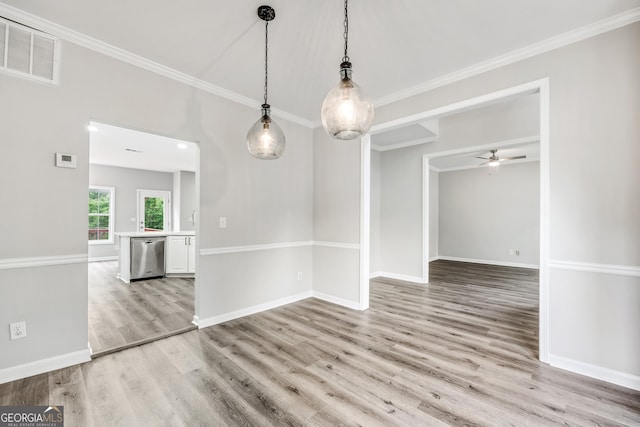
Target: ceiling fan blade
<point>512,158</point>
<point>482,163</point>
<point>483,158</point>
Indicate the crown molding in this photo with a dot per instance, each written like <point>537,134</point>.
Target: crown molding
<point>96,45</point>
<point>64,33</point>
<point>629,17</point>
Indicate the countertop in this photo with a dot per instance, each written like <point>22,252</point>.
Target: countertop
<point>155,233</point>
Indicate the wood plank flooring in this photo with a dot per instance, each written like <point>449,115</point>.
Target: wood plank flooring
<point>126,314</point>
<point>460,351</point>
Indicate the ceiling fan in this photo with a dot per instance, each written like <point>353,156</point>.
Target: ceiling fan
<point>494,160</point>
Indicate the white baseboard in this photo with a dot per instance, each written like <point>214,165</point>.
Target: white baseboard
<point>487,261</point>
<point>605,374</point>
<point>104,258</point>
<point>215,320</point>
<point>403,277</point>
<point>337,300</point>
<point>434,258</point>
<point>45,365</point>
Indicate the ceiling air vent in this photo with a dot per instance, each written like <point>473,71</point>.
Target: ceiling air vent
<point>27,52</point>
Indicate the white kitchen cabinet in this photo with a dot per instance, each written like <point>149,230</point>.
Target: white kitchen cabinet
<point>191,261</point>
<point>180,255</point>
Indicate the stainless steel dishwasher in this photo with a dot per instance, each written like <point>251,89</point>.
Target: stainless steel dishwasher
<point>147,257</point>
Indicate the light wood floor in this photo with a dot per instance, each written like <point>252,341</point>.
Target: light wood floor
<point>126,314</point>
<point>461,351</point>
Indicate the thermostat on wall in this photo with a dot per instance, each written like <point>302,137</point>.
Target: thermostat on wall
<point>65,160</point>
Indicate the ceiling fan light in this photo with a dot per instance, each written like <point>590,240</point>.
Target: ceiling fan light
<point>494,163</point>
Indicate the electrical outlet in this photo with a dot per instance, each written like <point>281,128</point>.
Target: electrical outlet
<point>517,252</point>
<point>510,251</point>
<point>299,275</point>
<point>18,330</point>
<point>223,222</point>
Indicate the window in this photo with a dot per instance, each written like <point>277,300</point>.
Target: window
<point>101,214</point>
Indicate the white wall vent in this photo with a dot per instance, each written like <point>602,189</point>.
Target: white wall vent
<point>27,52</point>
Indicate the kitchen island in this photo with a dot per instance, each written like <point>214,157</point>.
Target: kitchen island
<point>144,255</point>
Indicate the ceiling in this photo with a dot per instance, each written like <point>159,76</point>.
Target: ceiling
<point>406,136</point>
<point>394,45</point>
<point>116,146</point>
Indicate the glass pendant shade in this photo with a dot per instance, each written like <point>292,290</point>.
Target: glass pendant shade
<point>265,139</point>
<point>347,112</point>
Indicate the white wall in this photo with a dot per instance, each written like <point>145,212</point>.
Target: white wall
<point>375,243</point>
<point>401,215</point>
<point>265,202</point>
<point>336,218</point>
<point>434,214</point>
<point>482,216</point>
<point>126,181</point>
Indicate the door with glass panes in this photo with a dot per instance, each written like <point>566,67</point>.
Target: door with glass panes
<point>154,210</point>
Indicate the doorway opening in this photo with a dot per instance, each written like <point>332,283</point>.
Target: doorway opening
<point>420,256</point>
<point>151,184</point>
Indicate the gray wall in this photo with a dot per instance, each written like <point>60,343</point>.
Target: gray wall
<point>188,200</point>
<point>265,202</point>
<point>126,181</point>
<point>482,216</point>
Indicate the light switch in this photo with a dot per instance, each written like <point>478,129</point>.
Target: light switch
<point>223,222</point>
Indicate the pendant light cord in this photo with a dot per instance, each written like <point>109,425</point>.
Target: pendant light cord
<point>345,58</point>
<point>266,60</point>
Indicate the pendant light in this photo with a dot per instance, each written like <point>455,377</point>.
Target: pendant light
<point>347,112</point>
<point>265,139</point>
